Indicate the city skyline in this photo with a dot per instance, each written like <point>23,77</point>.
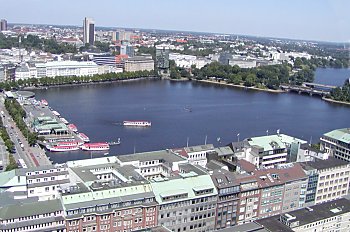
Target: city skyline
<point>300,20</point>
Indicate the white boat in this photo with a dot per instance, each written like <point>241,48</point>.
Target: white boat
<point>84,137</point>
<point>137,123</point>
<point>57,148</point>
<point>70,143</point>
<point>95,147</point>
<point>73,128</point>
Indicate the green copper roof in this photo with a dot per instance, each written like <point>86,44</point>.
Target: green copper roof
<point>272,142</point>
<point>342,135</point>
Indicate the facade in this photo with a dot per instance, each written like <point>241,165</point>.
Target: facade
<point>337,143</point>
<point>3,25</point>
<point>328,217</point>
<point>196,155</point>
<point>108,197</point>
<point>127,50</point>
<point>32,216</point>
<point>162,57</point>
<point>328,180</point>
<point>66,68</point>
<point>187,201</point>
<point>139,63</point>
<point>105,59</point>
<point>89,31</point>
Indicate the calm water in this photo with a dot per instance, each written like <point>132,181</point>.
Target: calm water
<point>217,112</point>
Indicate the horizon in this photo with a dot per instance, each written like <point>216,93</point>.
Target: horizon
<point>324,22</point>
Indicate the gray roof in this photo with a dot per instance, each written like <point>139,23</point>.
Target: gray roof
<point>323,164</point>
<point>247,227</point>
<point>163,155</point>
<point>306,216</point>
<point>213,165</point>
<point>224,151</point>
<point>37,221</point>
<point>28,209</point>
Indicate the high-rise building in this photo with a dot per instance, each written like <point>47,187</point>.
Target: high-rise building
<point>89,31</point>
<point>162,57</point>
<point>3,25</point>
<point>127,50</point>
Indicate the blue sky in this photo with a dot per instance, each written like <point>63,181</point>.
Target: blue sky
<point>326,20</point>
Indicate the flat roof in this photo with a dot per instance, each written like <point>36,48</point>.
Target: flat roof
<point>199,148</point>
<point>165,155</point>
<point>272,142</point>
<point>323,164</point>
<point>342,135</point>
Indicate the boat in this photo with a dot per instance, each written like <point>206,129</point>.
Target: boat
<point>44,102</point>
<point>114,142</point>
<point>137,123</point>
<point>72,127</point>
<point>57,148</point>
<point>188,109</point>
<point>64,120</point>
<point>95,147</point>
<point>84,137</point>
<point>70,143</point>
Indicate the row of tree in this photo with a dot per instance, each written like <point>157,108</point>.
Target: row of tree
<point>33,42</point>
<point>5,136</point>
<point>18,114</point>
<point>341,93</point>
<point>12,163</point>
<point>71,80</point>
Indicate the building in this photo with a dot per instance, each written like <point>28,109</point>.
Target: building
<point>127,50</point>
<point>89,31</point>
<point>328,180</point>
<point>104,59</point>
<point>3,25</point>
<point>187,201</point>
<point>305,153</point>
<point>32,216</point>
<point>139,63</point>
<point>66,68</point>
<point>337,143</point>
<point>162,57</point>
<point>327,217</point>
<point>267,151</point>
<point>105,196</point>
<point>22,72</point>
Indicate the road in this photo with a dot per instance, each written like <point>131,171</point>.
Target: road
<point>32,156</point>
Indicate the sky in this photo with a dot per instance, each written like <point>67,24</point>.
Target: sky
<point>322,20</point>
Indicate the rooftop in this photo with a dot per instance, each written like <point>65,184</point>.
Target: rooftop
<point>199,148</point>
<point>272,142</point>
<point>342,135</point>
<point>308,215</point>
<point>163,155</point>
<point>323,164</point>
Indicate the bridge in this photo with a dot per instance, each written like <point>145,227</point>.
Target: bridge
<point>305,90</point>
<point>319,86</point>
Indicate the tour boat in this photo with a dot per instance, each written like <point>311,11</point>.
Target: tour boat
<point>95,147</point>
<point>57,148</point>
<point>84,137</point>
<point>137,123</point>
<point>70,143</point>
<point>72,127</point>
<point>64,120</point>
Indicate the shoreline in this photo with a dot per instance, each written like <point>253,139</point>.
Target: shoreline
<point>241,86</point>
<point>335,101</point>
<point>88,83</point>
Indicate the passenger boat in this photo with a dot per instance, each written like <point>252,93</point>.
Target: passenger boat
<point>95,147</point>
<point>70,143</point>
<point>64,120</point>
<point>137,123</point>
<point>72,127</point>
<point>57,148</point>
<point>84,137</point>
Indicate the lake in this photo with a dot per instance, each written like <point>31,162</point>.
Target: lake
<point>218,113</point>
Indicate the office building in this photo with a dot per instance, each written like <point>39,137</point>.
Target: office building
<point>327,217</point>
<point>327,180</point>
<point>104,59</point>
<point>127,50</point>
<point>162,57</point>
<point>337,143</point>
<point>3,25</point>
<point>32,216</point>
<point>139,63</point>
<point>89,31</point>
<point>66,68</point>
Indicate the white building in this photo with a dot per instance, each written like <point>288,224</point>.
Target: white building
<point>139,63</point>
<point>196,155</point>
<point>66,68</point>
<point>337,143</point>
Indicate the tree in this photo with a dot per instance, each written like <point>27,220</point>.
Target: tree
<point>12,164</point>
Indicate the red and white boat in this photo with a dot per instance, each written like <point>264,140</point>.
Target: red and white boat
<point>84,137</point>
<point>72,127</point>
<point>95,147</point>
<point>137,123</point>
<point>57,148</point>
<point>44,102</point>
<point>70,143</point>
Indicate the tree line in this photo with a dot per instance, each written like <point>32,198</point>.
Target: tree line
<point>341,93</point>
<point>71,80</point>
<point>5,136</point>
<point>18,114</point>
